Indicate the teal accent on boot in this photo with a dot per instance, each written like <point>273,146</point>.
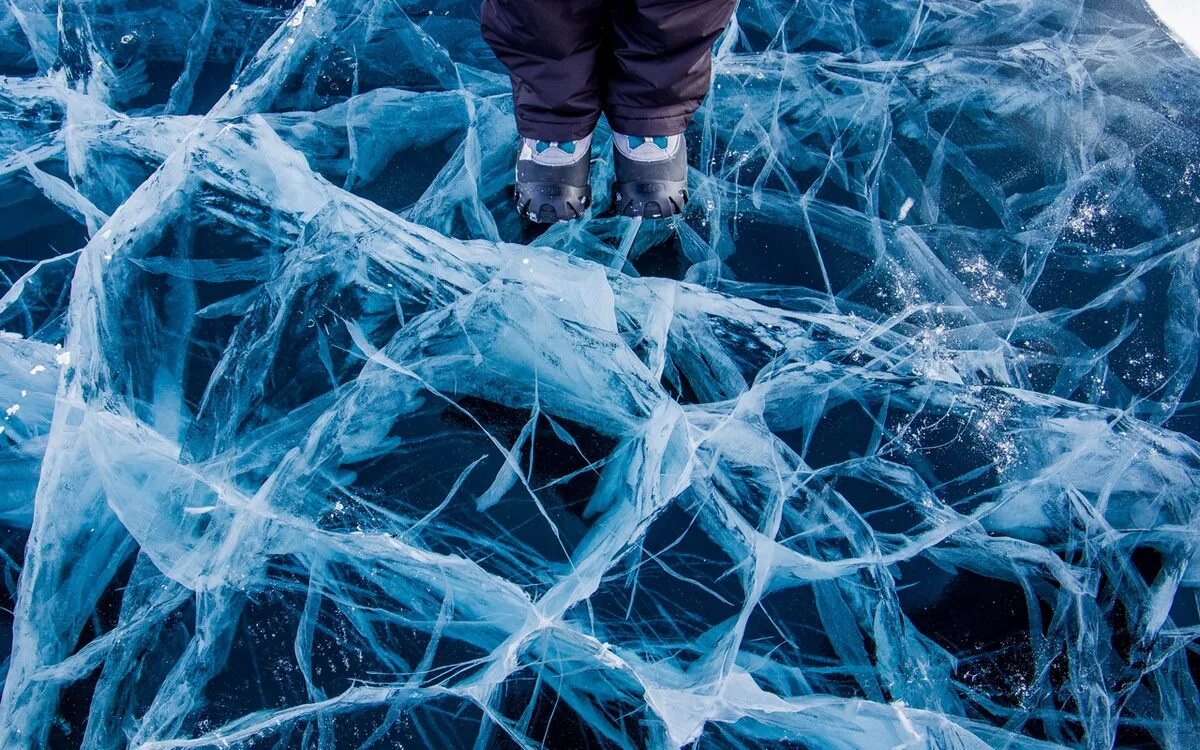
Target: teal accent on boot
<point>637,140</point>
<point>567,147</point>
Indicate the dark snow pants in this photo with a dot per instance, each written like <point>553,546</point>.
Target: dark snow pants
<point>645,63</point>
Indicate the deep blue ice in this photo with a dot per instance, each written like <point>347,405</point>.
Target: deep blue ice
<point>890,442</point>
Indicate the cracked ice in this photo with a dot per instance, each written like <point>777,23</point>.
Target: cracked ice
<point>307,443</point>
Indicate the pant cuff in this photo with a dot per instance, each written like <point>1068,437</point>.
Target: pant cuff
<point>553,130</point>
<point>649,121</point>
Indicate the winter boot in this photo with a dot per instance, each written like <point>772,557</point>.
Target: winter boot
<point>552,179</point>
<point>651,175</point>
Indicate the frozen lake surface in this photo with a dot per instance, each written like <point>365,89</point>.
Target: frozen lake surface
<point>889,442</point>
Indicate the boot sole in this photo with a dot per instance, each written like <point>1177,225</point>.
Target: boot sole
<point>651,200</point>
<point>548,202</point>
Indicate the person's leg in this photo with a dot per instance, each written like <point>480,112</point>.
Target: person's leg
<point>658,72</point>
<point>551,49</point>
<point>660,66</point>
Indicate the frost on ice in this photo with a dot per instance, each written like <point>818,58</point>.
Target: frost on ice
<point>307,443</point>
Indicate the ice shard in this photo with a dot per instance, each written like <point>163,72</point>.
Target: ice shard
<point>889,442</point>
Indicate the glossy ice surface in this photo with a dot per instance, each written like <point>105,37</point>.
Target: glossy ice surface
<point>307,443</point>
